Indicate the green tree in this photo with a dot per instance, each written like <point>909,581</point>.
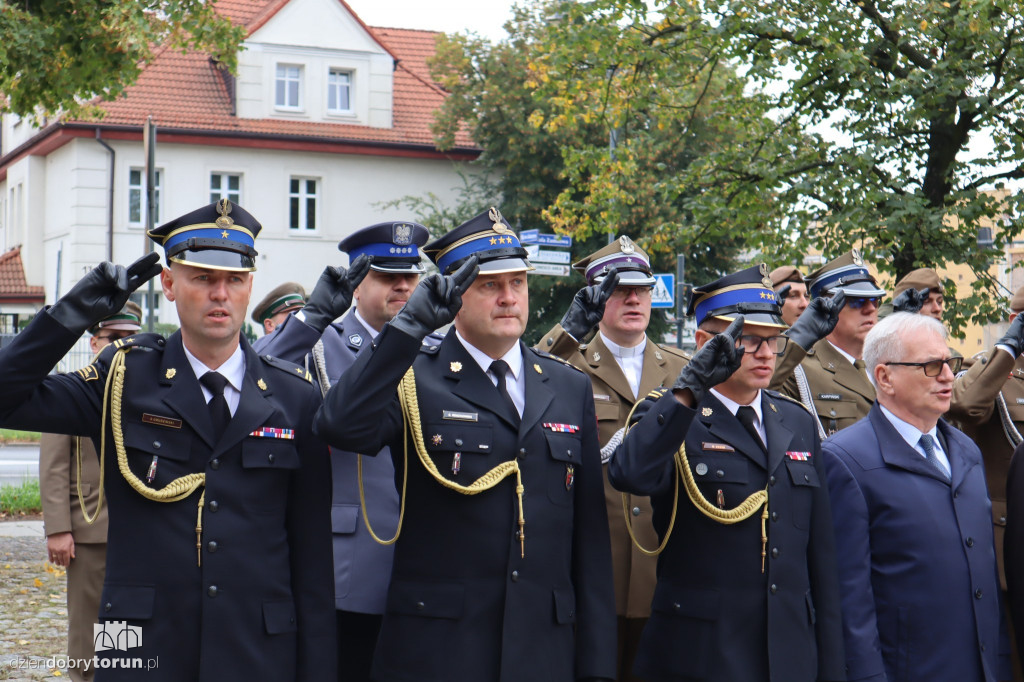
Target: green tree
<point>58,55</point>
<point>851,128</point>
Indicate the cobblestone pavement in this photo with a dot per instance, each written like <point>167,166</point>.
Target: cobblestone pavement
<point>33,612</point>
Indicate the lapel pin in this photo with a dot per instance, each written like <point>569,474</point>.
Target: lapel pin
<point>570,476</point>
<point>356,340</point>
<point>436,439</point>
<point>597,356</point>
<point>657,355</point>
<point>262,384</point>
<point>170,373</point>
<point>707,411</point>
<point>455,366</point>
<point>772,405</point>
<point>537,368</point>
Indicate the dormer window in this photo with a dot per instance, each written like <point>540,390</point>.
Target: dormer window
<point>339,91</point>
<point>288,87</point>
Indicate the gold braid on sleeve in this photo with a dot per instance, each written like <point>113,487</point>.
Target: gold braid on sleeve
<point>750,506</point>
<point>176,490</point>
<point>409,401</point>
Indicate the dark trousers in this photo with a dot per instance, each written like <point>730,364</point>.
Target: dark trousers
<point>357,639</point>
<point>630,630</point>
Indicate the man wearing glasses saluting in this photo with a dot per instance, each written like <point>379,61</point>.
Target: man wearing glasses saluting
<point>823,367</point>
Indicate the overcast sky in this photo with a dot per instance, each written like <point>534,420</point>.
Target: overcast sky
<point>450,16</point>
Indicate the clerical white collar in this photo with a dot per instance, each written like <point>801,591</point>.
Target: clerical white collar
<point>621,351</point>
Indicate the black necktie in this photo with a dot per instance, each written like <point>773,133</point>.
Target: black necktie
<point>499,368</point>
<point>747,416</point>
<point>220,413</point>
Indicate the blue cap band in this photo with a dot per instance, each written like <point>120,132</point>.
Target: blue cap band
<point>707,307</point>
<point>487,241</point>
<point>226,233</point>
<point>385,250</point>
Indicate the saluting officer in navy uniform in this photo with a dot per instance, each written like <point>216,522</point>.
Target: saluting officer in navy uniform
<point>747,587</point>
<point>273,310</point>
<point>362,566</point>
<point>218,551</point>
<point>502,568</point>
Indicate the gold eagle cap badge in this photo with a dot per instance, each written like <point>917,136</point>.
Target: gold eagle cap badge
<point>494,215</point>
<point>626,245</point>
<point>223,208</point>
<point>857,260</point>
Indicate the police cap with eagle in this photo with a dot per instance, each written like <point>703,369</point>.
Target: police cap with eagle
<point>220,236</point>
<point>848,274</point>
<point>747,292</point>
<point>629,260</point>
<point>391,247</point>
<point>489,237</point>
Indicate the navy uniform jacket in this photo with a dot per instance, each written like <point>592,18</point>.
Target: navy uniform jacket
<point>917,564</point>
<point>362,566</point>
<point>259,607</point>
<point>715,615</point>
<point>463,604</point>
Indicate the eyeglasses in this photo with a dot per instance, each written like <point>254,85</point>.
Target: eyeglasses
<point>625,291</point>
<point>860,301</point>
<point>110,337</point>
<point>751,343</point>
<point>933,368</point>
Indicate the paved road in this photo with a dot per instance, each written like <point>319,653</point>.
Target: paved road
<point>18,463</point>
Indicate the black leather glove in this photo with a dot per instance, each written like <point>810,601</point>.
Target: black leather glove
<point>102,292</point>
<point>817,321</point>
<point>587,306</point>
<point>783,293</point>
<point>1014,337</point>
<point>435,301</point>
<point>713,363</point>
<point>332,295</point>
<point>910,301</point>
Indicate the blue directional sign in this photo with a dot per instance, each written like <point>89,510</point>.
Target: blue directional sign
<point>664,294</point>
<point>554,240</point>
<point>528,236</point>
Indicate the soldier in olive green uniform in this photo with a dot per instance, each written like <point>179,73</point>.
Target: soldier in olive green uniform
<point>624,365</point>
<point>988,402</point>
<point>823,367</point>
<point>792,290</point>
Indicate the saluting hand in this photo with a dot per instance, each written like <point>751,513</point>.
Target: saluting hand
<point>817,321</point>
<point>1014,337</point>
<point>102,292</point>
<point>910,301</point>
<point>711,365</point>
<point>332,295</point>
<point>783,293</point>
<point>587,306</point>
<point>435,301</point>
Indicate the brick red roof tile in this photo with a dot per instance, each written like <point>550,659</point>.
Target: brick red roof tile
<point>12,278</point>
<point>186,91</point>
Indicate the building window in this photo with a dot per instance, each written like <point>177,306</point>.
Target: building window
<point>985,236</point>
<point>225,186</point>
<point>302,203</point>
<point>288,90</point>
<point>339,91</point>
<point>137,196</point>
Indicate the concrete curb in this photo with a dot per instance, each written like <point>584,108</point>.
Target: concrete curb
<point>21,529</point>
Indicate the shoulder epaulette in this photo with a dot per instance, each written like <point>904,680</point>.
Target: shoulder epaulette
<point>783,396</point>
<point>555,358</point>
<point>429,348</point>
<point>149,341</point>
<point>672,350</point>
<point>658,393</point>
<point>288,367</point>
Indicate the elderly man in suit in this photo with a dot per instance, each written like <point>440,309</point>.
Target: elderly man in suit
<point>502,570</point>
<point>746,582</point>
<point>624,364</point>
<point>385,266</point>
<point>917,562</point>
<point>218,550</point>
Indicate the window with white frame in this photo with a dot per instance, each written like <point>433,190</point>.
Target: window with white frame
<point>137,195</point>
<point>288,87</point>
<point>339,91</point>
<point>225,186</point>
<point>303,196</point>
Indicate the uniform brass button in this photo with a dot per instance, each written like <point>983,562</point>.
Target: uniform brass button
<point>270,458</point>
<point>661,419</point>
<point>636,511</point>
<point>211,546</point>
<point>978,593</point>
<point>970,542</point>
<point>720,474</point>
<point>420,606</point>
<point>515,576</point>
<point>775,552</point>
<point>215,464</point>
<point>212,590</point>
<point>773,588</point>
<point>550,341</point>
<point>214,506</point>
<point>458,441</point>
<point>108,606</point>
<point>156,445</point>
